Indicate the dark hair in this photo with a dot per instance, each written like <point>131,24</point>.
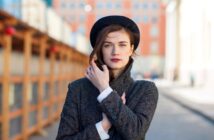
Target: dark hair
<point>101,38</point>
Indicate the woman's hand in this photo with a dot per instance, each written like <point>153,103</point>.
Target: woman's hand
<point>99,78</point>
<point>106,123</point>
<point>123,97</point>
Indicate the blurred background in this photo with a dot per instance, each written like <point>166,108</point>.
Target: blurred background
<point>44,45</point>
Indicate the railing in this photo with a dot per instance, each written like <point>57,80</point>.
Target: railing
<point>33,84</point>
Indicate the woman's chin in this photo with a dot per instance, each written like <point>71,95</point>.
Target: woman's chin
<point>115,67</point>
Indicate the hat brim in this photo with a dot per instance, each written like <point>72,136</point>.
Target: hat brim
<point>115,20</point>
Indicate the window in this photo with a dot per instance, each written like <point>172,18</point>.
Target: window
<point>136,6</point>
<point>34,64</point>
<point>118,5</point>
<point>45,112</point>
<point>154,19</point>
<point>56,88</point>
<point>15,96</point>
<point>144,6</point>
<point>99,5</point>
<point>154,31</point>
<point>63,5</point>
<point>15,126</point>
<point>34,97</point>
<point>81,29</point>
<point>154,47</point>
<point>145,19</point>
<point>109,5</point>
<point>82,18</point>
<point>55,107</point>
<point>46,91</point>
<point>154,6</point>
<point>32,118</point>
<point>81,5</point>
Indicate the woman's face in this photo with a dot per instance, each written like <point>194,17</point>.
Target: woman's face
<point>117,49</point>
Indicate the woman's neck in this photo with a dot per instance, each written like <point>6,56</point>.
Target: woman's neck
<point>116,72</point>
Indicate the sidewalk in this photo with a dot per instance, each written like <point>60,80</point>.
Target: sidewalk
<point>49,133</point>
<point>199,100</point>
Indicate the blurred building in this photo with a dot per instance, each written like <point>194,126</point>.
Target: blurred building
<point>149,15</point>
<point>37,62</point>
<point>37,14</point>
<point>190,41</point>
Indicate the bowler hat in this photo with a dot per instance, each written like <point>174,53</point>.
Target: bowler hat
<point>115,20</point>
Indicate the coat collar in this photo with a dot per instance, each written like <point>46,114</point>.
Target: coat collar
<point>124,80</point>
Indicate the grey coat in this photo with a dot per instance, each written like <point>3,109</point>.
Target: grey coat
<point>82,111</point>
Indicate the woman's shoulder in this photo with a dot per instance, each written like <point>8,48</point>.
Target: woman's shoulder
<point>144,82</point>
<point>143,89</point>
<point>146,85</point>
<point>78,83</point>
<point>77,86</point>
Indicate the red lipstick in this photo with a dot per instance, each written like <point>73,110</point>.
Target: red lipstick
<point>115,60</point>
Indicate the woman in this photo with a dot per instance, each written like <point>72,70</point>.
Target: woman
<point>108,103</point>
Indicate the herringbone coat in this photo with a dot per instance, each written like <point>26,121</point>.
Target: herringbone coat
<point>129,121</point>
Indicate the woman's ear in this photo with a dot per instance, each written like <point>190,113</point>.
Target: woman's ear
<point>132,49</point>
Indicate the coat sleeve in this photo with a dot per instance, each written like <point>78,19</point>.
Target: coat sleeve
<point>69,128</point>
<point>132,124</point>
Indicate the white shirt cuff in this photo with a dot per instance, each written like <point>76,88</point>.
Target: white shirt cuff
<point>102,133</point>
<point>104,94</point>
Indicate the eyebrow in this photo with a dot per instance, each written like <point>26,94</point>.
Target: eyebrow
<point>123,42</point>
<point>119,42</point>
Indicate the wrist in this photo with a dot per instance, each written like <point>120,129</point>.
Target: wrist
<point>101,89</point>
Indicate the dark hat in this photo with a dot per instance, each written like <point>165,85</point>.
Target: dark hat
<point>114,20</point>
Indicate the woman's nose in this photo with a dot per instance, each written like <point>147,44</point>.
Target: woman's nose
<point>114,50</point>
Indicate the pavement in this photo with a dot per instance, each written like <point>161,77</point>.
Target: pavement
<point>49,133</point>
<point>172,121</point>
<point>199,100</point>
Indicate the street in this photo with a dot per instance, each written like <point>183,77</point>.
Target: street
<point>171,122</point>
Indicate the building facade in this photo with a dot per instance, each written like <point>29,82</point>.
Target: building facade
<point>148,14</point>
<point>190,44</point>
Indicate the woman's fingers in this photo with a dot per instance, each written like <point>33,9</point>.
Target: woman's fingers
<point>87,76</point>
<point>99,78</point>
<point>94,65</point>
<point>105,69</point>
<point>89,72</point>
<point>123,97</point>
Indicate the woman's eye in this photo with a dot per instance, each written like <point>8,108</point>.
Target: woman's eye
<point>107,45</point>
<point>123,45</point>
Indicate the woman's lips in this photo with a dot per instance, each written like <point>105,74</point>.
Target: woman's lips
<point>115,60</point>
